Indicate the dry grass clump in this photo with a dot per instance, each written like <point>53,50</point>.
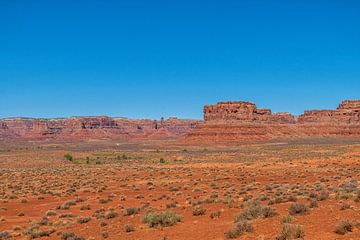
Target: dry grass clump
<point>298,209</point>
<point>85,207</point>
<point>163,219</point>
<point>253,210</point>
<point>131,211</point>
<point>199,210</point>
<point>5,235</point>
<point>291,232</point>
<point>111,214</point>
<point>129,228</point>
<point>50,213</point>
<point>71,236</point>
<point>215,215</point>
<point>239,228</point>
<point>39,234</point>
<point>345,206</point>
<point>287,219</point>
<point>344,227</point>
<point>82,220</point>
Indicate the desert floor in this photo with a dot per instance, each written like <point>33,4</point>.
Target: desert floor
<point>109,190</point>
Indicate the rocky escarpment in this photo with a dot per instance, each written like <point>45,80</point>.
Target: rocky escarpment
<point>243,121</point>
<point>88,128</point>
<point>244,112</point>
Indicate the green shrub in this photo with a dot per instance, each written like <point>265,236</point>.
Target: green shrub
<point>163,219</point>
<point>68,156</point>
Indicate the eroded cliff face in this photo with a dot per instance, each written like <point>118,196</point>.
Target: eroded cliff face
<point>88,128</point>
<point>243,121</point>
<point>223,122</point>
<point>244,112</point>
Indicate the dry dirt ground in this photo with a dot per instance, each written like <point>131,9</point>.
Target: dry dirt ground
<point>305,190</point>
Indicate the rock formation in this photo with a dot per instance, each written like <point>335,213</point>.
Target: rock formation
<point>88,128</point>
<point>223,122</point>
<point>243,121</point>
<point>245,112</point>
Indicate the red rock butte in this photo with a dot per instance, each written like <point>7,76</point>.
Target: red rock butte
<point>243,121</point>
<point>223,122</point>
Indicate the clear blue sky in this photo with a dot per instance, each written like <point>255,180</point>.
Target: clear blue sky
<point>147,59</point>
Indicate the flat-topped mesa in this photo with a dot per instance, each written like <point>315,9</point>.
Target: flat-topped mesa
<point>91,122</point>
<point>242,111</point>
<point>350,105</point>
<point>348,112</point>
<point>93,128</point>
<point>244,122</point>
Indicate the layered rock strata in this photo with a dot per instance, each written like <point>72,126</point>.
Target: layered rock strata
<point>243,121</point>
<point>87,128</point>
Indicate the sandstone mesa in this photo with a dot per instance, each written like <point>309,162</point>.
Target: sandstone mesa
<point>243,121</point>
<point>223,122</point>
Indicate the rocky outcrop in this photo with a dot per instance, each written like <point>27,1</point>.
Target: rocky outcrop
<point>223,122</point>
<point>244,112</point>
<point>88,128</point>
<point>348,112</point>
<point>243,121</point>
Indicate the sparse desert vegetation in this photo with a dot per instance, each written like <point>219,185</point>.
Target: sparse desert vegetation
<point>263,191</point>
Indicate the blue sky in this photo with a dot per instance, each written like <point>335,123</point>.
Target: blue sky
<point>147,59</point>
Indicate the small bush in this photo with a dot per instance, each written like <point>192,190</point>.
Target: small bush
<point>83,220</point>
<point>66,215</point>
<point>105,234</point>
<point>70,236</point>
<point>162,160</point>
<point>163,219</point>
<point>131,211</point>
<point>286,219</point>
<point>239,228</point>
<point>291,231</point>
<point>85,207</point>
<point>313,203</point>
<point>5,235</point>
<point>268,212</point>
<point>171,205</point>
<point>298,208</point>
<point>343,227</point>
<point>214,215</point>
<point>68,156</point>
<point>323,196</point>
<point>39,234</point>
<point>253,210</point>
<point>345,206</point>
<point>199,210</point>
<point>111,214</point>
<point>129,228</point>
<point>50,213</point>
